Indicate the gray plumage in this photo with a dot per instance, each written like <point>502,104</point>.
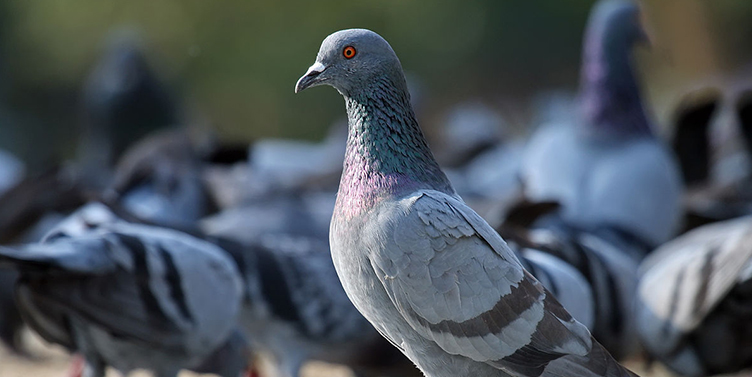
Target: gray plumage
<point>296,310</point>
<point>129,296</point>
<point>159,179</point>
<point>429,273</point>
<point>605,279</point>
<point>564,281</point>
<point>695,300</point>
<point>607,168</point>
<point>302,214</point>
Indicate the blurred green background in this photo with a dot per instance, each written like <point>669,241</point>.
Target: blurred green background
<point>237,61</point>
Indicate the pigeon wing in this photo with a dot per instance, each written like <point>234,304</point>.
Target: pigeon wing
<point>457,283</point>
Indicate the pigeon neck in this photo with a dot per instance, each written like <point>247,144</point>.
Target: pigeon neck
<point>609,97</point>
<point>387,154</point>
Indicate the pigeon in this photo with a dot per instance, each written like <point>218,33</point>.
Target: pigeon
<point>566,283</point>
<point>691,127</point>
<point>123,100</point>
<point>694,300</point>
<point>129,295</point>
<point>712,137</point>
<point>608,168</point>
<point>160,179</point>
<point>295,309</point>
<point>426,270</point>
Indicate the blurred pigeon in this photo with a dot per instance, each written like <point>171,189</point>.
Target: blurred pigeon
<point>129,296</point>
<point>296,310</point>
<point>35,204</point>
<point>695,300</point>
<point>160,179</point>
<point>470,128</point>
<point>590,274</point>
<point>30,209</point>
<point>276,163</point>
<point>431,275</point>
<point>123,100</point>
<point>564,281</point>
<point>609,169</point>
<point>714,138</point>
<point>300,213</point>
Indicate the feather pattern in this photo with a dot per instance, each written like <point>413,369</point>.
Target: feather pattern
<point>427,271</point>
<point>128,295</point>
<point>694,300</point>
<point>607,167</point>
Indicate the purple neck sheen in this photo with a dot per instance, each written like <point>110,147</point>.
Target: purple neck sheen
<point>609,96</point>
<point>387,155</point>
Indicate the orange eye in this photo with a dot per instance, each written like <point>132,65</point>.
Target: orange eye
<point>349,52</point>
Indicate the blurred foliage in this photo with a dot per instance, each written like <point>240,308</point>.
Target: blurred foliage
<point>238,60</point>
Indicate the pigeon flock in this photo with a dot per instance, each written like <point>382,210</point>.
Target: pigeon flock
<point>591,242</point>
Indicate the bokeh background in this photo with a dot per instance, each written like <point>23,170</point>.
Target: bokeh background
<point>235,62</point>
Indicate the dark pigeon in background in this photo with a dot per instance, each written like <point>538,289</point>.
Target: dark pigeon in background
<point>691,139</point>
<point>713,139</point>
<point>123,101</point>
<point>429,273</point>
<point>295,309</point>
<point>160,179</point>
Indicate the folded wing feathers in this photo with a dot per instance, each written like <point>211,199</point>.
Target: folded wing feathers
<point>695,272</point>
<point>470,294</point>
<point>146,292</point>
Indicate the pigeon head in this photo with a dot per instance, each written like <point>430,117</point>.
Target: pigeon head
<point>386,154</point>
<point>349,60</point>
<point>610,96</point>
<point>615,24</point>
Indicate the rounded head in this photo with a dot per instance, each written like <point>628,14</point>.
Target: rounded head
<point>349,60</point>
<point>615,23</point>
<point>122,68</point>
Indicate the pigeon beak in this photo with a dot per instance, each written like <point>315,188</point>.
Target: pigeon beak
<point>311,77</point>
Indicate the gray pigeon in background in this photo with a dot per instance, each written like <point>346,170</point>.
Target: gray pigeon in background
<point>129,296</point>
<point>160,179</point>
<point>608,169</point>
<point>591,275</point>
<point>618,187</point>
<point>296,310</point>
<point>694,300</point>
<point>429,273</point>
